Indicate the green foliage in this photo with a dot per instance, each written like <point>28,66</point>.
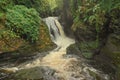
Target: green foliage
<point>93,12</point>
<point>27,3</point>
<point>24,22</point>
<point>44,7</point>
<point>59,3</point>
<point>4,33</point>
<point>4,4</point>
<point>109,5</point>
<point>1,15</point>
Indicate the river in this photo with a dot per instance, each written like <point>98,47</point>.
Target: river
<point>65,68</point>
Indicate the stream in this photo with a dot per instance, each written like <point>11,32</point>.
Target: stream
<point>57,65</point>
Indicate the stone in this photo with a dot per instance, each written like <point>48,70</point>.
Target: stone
<point>41,73</point>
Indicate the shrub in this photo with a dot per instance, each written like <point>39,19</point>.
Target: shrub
<point>4,4</point>
<point>41,6</point>
<point>24,22</point>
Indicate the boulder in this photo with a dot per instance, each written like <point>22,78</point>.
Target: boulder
<point>35,73</point>
<point>73,50</point>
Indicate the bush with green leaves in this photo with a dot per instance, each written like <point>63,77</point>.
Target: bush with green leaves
<point>24,22</point>
<point>41,6</point>
<point>93,12</point>
<point>4,4</point>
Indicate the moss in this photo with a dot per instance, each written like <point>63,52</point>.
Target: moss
<point>87,48</point>
<point>10,42</point>
<point>32,73</point>
<point>44,43</point>
<point>111,49</point>
<point>118,73</point>
<point>88,45</point>
<point>73,49</point>
<point>87,55</point>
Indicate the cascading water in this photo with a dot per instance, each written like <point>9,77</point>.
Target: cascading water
<point>70,68</point>
<point>57,33</point>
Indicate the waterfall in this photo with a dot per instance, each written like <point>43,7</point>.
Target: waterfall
<point>57,33</point>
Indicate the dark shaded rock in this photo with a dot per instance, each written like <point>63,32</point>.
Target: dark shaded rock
<point>85,34</point>
<point>112,50</point>
<point>86,40</point>
<point>66,18</point>
<point>74,50</point>
<point>103,63</point>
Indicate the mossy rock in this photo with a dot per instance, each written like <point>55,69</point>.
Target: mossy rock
<point>15,46</point>
<point>112,49</point>
<point>35,73</point>
<point>73,49</point>
<point>118,73</point>
<point>87,55</point>
<point>86,39</point>
<point>88,49</point>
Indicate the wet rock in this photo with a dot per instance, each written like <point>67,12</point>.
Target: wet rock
<point>96,76</point>
<point>3,76</point>
<point>74,50</point>
<point>40,73</point>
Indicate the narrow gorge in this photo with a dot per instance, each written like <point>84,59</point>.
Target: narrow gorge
<point>59,40</point>
<point>56,65</point>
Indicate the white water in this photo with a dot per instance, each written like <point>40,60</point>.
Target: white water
<point>66,68</point>
<point>58,37</point>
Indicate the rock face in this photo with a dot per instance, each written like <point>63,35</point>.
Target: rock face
<point>112,50</point>
<point>108,44</point>
<point>86,41</point>
<point>112,45</point>
<point>66,18</point>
